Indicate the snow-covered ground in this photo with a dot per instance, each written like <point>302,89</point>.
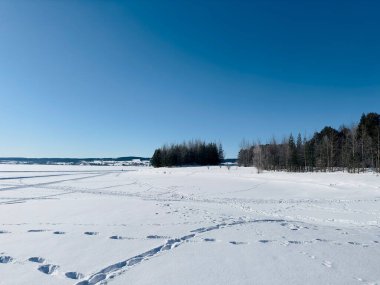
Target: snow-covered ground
<point>95,225</point>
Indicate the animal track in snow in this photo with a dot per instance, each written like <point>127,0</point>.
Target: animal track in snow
<point>37,231</point>
<point>59,233</point>
<point>48,268</point>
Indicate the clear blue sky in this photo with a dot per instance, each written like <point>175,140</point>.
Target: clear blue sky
<point>116,78</point>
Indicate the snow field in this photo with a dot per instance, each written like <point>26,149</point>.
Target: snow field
<point>140,225</point>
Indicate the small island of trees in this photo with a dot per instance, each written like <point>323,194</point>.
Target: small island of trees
<point>188,153</point>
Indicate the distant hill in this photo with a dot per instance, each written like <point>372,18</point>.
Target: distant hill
<point>125,160</point>
<point>72,161</point>
<point>230,160</point>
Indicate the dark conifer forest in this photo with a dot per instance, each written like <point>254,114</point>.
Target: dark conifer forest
<point>190,153</point>
<point>355,149</point>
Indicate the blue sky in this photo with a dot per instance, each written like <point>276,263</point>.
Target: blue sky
<point>116,78</point>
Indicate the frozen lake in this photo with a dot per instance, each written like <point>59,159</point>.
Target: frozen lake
<point>97,225</point>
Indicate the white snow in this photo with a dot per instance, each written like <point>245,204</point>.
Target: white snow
<point>95,225</point>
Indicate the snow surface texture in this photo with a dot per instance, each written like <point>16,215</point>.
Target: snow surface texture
<point>101,225</point>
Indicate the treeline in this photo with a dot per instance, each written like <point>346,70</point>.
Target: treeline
<point>190,153</point>
<point>355,149</point>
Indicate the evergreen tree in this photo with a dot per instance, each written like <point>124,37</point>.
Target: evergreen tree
<point>300,153</point>
<point>293,161</point>
<point>156,158</point>
<point>220,153</point>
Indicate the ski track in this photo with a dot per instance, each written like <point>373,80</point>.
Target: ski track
<point>40,176</point>
<point>36,185</point>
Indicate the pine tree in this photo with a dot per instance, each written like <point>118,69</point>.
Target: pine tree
<point>292,154</point>
<point>300,152</point>
<point>220,153</point>
<point>156,158</point>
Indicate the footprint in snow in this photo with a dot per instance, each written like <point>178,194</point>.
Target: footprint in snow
<point>321,240</point>
<point>294,228</point>
<point>91,233</point>
<point>37,259</point>
<point>37,231</point>
<point>117,237</point>
<point>295,242</point>
<point>48,268</point>
<point>157,237</point>
<point>96,279</point>
<point>4,232</point>
<point>58,233</point>
<point>354,243</point>
<point>237,242</point>
<point>209,239</point>
<point>74,275</point>
<point>265,241</point>
<point>5,259</point>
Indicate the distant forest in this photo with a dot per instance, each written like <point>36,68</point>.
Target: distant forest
<point>188,153</point>
<point>355,149</point>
